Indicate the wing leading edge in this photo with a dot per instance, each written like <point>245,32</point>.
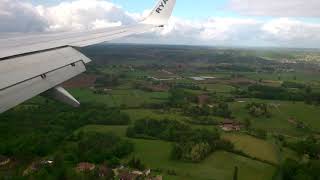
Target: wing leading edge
<point>31,65</point>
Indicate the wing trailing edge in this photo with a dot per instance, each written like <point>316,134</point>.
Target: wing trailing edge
<point>20,81</point>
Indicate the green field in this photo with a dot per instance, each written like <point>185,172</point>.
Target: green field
<point>220,165</point>
<point>118,97</point>
<point>136,114</point>
<point>281,112</point>
<point>219,88</point>
<point>254,147</point>
<point>117,130</point>
<point>302,77</point>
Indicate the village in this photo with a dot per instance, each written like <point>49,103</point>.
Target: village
<point>103,171</point>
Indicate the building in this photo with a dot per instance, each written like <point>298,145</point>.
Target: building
<point>4,160</point>
<point>34,167</point>
<point>230,125</point>
<point>137,173</point>
<point>203,99</point>
<point>85,167</point>
<point>126,175</point>
<point>147,172</point>
<point>104,171</point>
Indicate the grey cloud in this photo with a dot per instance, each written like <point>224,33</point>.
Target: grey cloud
<point>16,16</point>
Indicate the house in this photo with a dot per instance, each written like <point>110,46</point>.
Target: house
<point>292,121</point>
<point>230,125</point>
<point>35,166</point>
<point>104,171</point>
<point>126,175</point>
<point>138,173</point>
<point>147,172</point>
<point>4,160</point>
<point>160,88</point>
<point>158,178</point>
<point>85,167</point>
<point>203,99</point>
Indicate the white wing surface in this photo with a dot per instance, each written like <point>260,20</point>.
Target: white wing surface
<point>33,64</point>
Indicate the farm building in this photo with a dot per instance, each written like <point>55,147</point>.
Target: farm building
<point>230,125</point>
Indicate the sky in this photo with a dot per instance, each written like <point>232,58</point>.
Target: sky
<point>254,23</point>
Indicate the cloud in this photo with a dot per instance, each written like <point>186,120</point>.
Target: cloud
<point>280,8</point>
<point>228,29</point>
<point>84,14</point>
<point>289,31</point>
<point>213,31</point>
<point>18,16</point>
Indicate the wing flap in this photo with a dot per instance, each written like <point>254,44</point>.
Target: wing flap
<point>23,91</point>
<point>19,69</point>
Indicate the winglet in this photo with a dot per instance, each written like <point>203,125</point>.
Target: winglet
<point>161,13</point>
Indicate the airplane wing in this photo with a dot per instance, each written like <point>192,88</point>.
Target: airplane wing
<point>33,64</point>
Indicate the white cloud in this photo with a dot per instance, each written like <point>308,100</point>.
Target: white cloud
<point>226,29</point>
<point>282,8</point>
<point>17,16</point>
<point>289,31</point>
<point>84,14</point>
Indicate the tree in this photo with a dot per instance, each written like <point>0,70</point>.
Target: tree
<point>199,151</point>
<point>258,109</point>
<point>235,173</point>
<point>247,123</point>
<point>136,163</point>
<point>222,110</point>
<point>294,170</point>
<point>98,147</point>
